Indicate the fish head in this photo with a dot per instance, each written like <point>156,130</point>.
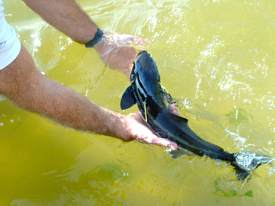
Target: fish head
<point>145,85</point>
<point>145,68</point>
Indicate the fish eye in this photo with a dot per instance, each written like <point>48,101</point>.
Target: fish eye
<point>132,77</point>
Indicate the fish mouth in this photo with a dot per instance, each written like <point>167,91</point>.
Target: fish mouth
<point>141,52</point>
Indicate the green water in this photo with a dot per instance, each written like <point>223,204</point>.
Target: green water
<point>217,57</point>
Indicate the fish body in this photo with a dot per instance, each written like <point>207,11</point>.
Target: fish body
<point>145,91</point>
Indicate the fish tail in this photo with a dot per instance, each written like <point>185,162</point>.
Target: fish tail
<point>245,163</point>
<point>241,173</point>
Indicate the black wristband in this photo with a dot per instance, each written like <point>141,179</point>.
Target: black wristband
<point>96,39</point>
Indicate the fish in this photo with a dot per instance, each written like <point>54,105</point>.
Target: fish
<point>145,91</point>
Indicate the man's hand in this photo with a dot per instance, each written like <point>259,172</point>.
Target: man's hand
<point>115,51</point>
<point>139,131</point>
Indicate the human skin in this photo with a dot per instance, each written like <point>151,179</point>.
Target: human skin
<point>69,18</point>
<point>24,85</point>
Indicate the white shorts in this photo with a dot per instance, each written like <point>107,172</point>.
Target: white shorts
<point>10,45</point>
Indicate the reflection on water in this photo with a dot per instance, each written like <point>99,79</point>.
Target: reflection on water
<point>217,57</point>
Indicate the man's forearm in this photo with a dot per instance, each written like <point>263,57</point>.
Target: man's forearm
<point>67,17</point>
<point>27,88</point>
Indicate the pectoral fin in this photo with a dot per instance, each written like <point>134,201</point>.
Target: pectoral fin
<point>128,98</point>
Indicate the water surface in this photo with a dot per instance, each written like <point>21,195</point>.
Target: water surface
<point>217,57</point>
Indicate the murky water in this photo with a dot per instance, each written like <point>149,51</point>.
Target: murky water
<point>217,57</point>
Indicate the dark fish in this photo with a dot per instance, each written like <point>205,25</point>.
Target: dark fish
<point>146,91</point>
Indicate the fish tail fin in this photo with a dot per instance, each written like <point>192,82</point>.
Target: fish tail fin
<point>246,162</point>
<point>242,174</point>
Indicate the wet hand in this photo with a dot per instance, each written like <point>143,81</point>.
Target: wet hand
<point>172,108</point>
<point>138,130</point>
<point>117,51</point>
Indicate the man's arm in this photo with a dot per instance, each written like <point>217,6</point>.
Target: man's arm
<point>28,89</point>
<point>68,17</point>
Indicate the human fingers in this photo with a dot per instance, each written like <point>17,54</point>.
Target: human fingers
<point>145,135</point>
<point>153,139</point>
<point>173,109</point>
<point>126,39</point>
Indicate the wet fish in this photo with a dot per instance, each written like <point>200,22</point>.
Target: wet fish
<point>145,91</point>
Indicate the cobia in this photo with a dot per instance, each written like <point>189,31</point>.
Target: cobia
<point>146,91</point>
